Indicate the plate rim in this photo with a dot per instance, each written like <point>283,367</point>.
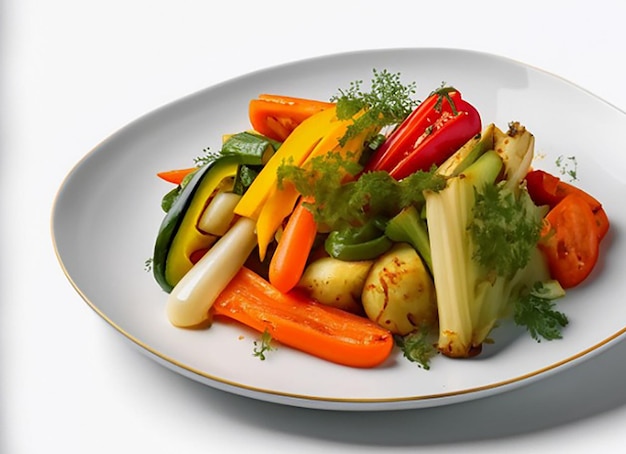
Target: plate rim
<point>304,400</point>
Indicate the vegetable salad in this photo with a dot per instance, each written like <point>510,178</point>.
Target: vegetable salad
<point>372,221</point>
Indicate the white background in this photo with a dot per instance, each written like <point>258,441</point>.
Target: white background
<point>73,72</point>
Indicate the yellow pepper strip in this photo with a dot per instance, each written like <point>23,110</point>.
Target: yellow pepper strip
<point>281,202</point>
<point>277,207</point>
<point>298,145</point>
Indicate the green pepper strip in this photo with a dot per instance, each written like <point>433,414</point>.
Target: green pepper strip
<point>361,243</point>
<point>249,147</point>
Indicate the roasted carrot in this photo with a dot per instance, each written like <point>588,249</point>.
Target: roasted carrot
<point>292,252</point>
<point>296,321</point>
<point>175,176</point>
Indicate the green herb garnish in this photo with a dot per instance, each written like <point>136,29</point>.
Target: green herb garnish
<point>535,311</point>
<point>505,229</point>
<point>568,166</point>
<point>387,103</point>
<point>374,194</point>
<point>264,345</point>
<point>207,157</point>
<point>418,347</point>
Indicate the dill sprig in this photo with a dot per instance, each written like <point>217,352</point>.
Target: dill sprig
<point>263,346</point>
<point>504,229</point>
<point>419,346</point>
<point>568,166</point>
<point>536,312</point>
<point>373,194</point>
<point>388,102</point>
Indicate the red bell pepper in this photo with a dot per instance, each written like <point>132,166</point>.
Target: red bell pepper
<point>547,189</point>
<point>435,130</point>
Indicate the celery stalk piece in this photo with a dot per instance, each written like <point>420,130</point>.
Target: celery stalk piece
<point>516,148</point>
<point>468,153</point>
<point>484,230</point>
<point>408,227</point>
<point>449,212</point>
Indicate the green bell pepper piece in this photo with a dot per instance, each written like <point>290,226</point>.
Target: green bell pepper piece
<point>358,243</point>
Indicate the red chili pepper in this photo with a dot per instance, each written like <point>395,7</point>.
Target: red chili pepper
<point>547,189</point>
<point>435,130</point>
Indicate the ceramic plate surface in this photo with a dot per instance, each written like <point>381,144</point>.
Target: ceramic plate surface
<point>107,214</point>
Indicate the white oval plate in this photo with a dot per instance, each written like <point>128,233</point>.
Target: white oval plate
<point>107,214</point>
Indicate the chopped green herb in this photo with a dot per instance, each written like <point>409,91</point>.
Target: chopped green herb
<point>339,205</point>
<point>208,156</point>
<point>263,346</point>
<point>148,264</point>
<point>388,102</point>
<point>568,166</point>
<point>418,347</point>
<point>535,311</point>
<point>505,229</point>
<point>444,92</point>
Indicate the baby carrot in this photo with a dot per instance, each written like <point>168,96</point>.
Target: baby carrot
<point>325,332</point>
<point>292,252</point>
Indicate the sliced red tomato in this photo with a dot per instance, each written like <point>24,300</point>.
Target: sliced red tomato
<point>275,116</point>
<point>602,222</point>
<point>569,240</point>
<point>547,189</point>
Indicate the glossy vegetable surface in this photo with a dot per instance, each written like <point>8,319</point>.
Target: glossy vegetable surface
<point>293,249</point>
<point>176,176</point>
<point>547,189</point>
<point>434,227</point>
<point>399,293</point>
<point>569,241</point>
<point>365,242</point>
<point>276,116</point>
<point>436,129</point>
<point>336,283</point>
<point>296,148</point>
<point>326,332</point>
<point>178,237</point>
